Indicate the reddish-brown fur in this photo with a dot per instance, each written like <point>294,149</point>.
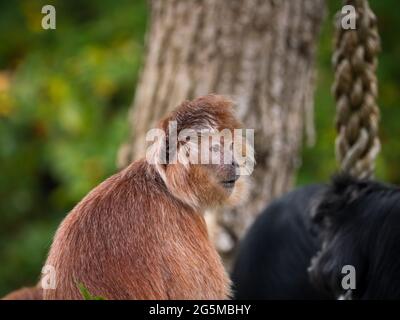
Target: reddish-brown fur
<point>139,236</point>
<point>31,293</point>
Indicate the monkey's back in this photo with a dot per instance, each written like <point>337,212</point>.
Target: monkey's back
<point>130,239</point>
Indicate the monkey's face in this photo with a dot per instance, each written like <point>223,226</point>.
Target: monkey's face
<point>206,172</point>
<point>223,167</point>
<point>200,154</point>
<point>214,175</point>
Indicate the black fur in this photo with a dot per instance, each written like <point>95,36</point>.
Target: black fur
<point>276,252</point>
<point>357,220</point>
<point>360,226</point>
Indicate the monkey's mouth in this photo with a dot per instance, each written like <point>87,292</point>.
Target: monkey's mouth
<point>229,183</point>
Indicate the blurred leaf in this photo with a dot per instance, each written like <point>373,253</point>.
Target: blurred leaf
<point>86,294</point>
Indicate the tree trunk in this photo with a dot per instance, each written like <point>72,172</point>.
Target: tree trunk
<point>260,53</point>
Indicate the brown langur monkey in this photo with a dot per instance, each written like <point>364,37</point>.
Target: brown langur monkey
<point>141,234</point>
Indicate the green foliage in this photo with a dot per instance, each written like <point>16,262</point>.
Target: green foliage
<point>318,162</point>
<point>86,294</point>
<point>64,98</point>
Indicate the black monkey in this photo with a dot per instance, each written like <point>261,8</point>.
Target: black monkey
<point>298,246</point>
<point>274,255</point>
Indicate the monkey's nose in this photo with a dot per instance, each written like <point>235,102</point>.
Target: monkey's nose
<point>235,164</point>
<point>233,171</point>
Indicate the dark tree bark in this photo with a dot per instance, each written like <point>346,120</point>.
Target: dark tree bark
<point>260,53</point>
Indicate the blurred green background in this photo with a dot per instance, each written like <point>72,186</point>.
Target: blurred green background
<point>64,98</point>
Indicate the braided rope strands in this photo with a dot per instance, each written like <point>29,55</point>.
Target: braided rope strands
<point>355,90</point>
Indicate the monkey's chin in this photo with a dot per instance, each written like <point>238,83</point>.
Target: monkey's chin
<point>228,186</point>
<point>239,193</point>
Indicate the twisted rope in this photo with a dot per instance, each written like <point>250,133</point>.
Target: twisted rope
<point>355,90</point>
